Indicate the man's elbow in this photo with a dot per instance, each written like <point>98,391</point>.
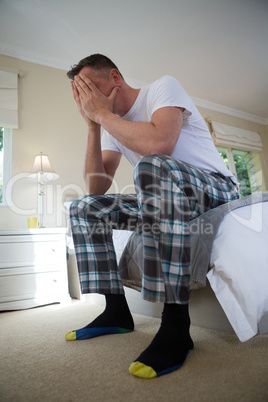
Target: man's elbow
<point>95,190</point>
<point>161,149</point>
<point>96,186</point>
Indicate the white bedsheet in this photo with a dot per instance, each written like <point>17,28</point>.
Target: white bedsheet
<point>120,239</point>
<point>239,274</point>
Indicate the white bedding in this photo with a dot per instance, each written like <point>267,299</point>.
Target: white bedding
<point>120,239</point>
<point>239,274</point>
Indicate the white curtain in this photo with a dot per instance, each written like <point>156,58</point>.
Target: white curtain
<point>8,99</point>
<point>234,137</point>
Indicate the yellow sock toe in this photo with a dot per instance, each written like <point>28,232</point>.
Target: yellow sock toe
<point>70,336</point>
<point>141,370</point>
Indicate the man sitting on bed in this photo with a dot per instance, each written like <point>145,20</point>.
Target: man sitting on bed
<point>178,175</point>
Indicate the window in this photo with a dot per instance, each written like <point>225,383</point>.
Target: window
<point>241,151</point>
<point>8,121</point>
<point>245,165</point>
<point>5,163</point>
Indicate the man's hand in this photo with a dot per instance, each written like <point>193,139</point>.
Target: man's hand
<point>91,124</point>
<point>93,102</point>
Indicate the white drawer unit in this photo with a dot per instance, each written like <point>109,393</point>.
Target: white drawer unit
<point>33,268</point>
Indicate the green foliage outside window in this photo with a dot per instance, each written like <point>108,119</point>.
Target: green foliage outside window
<point>1,138</point>
<point>243,165</point>
<point>223,154</point>
<point>244,169</point>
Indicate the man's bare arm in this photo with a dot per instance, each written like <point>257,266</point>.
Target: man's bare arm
<point>99,167</point>
<point>155,137</point>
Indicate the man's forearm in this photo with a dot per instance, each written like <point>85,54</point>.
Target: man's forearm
<point>145,138</point>
<point>96,179</point>
<point>135,136</point>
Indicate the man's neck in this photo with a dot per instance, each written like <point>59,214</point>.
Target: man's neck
<point>128,96</point>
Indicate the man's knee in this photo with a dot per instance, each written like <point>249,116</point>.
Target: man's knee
<point>147,167</point>
<point>81,205</point>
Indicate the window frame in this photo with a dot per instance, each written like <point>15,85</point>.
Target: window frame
<point>234,138</point>
<point>7,166</point>
<point>232,167</point>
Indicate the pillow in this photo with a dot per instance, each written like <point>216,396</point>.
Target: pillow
<point>239,274</point>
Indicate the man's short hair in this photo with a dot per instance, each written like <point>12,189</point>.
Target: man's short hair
<point>97,62</point>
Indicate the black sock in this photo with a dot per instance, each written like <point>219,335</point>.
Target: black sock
<point>115,319</point>
<point>116,314</point>
<point>170,347</point>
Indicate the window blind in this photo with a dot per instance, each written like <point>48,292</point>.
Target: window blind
<point>8,99</point>
<point>234,137</point>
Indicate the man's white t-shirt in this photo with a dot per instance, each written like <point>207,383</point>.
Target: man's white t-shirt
<point>194,145</point>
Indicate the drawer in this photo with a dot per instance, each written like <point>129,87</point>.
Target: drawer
<point>32,269</point>
<point>31,253</point>
<point>32,286</point>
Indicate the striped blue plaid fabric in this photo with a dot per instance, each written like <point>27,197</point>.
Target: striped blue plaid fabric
<point>169,193</point>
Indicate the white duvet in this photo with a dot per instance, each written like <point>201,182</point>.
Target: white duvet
<point>239,274</point>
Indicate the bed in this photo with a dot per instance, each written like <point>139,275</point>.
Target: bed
<point>229,249</point>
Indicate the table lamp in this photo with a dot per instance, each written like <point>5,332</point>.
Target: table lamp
<point>42,172</point>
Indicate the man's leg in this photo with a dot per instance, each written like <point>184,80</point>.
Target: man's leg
<point>92,220</point>
<point>170,194</point>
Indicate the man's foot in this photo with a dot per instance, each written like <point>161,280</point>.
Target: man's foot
<point>170,347</point>
<point>116,319</point>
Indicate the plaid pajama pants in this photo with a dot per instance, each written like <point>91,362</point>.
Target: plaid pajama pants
<point>169,193</point>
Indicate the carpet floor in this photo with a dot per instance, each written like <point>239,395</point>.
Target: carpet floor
<point>37,364</point>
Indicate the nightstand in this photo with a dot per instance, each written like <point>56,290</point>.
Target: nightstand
<point>33,268</point>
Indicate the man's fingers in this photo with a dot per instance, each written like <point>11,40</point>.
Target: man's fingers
<point>81,87</point>
<point>113,94</point>
<point>86,83</point>
<point>74,89</point>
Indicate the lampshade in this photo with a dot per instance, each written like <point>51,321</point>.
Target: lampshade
<point>42,166</point>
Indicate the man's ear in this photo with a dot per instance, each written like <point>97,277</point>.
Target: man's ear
<point>115,76</point>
